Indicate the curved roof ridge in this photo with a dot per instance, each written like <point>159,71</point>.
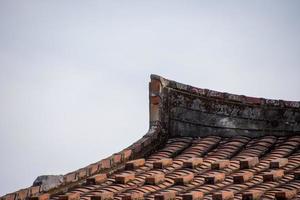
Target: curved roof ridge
<point>225,95</point>
<point>180,110</point>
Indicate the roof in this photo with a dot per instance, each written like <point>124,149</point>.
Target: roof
<point>201,144</point>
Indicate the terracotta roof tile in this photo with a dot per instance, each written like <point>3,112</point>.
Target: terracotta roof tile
<point>70,196</point>
<point>102,196</point>
<point>273,175</point>
<point>224,195</point>
<point>201,144</point>
<point>40,197</point>
<point>252,195</point>
<point>133,196</point>
<point>220,164</point>
<point>242,177</point>
<point>194,195</point>
<point>184,179</point>
<point>155,179</point>
<point>213,178</point>
<point>285,194</point>
<point>124,178</point>
<point>133,164</point>
<point>96,179</point>
<point>193,163</point>
<point>248,162</point>
<point>165,196</point>
<point>278,163</point>
<point>163,163</point>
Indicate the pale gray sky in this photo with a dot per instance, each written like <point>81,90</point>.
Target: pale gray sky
<point>74,74</point>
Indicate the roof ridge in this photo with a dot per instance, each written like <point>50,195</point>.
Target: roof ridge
<point>179,110</point>
<point>244,99</point>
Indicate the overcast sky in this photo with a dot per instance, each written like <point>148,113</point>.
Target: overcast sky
<point>74,74</point>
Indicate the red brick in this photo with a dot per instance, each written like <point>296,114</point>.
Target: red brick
<point>133,196</point>
<point>273,175</point>
<point>105,164</point>
<point>285,194</point>
<point>242,177</point>
<point>192,163</point>
<point>155,100</point>
<point>133,164</point>
<point>124,178</point>
<point>103,196</point>
<point>214,178</point>
<point>69,178</point>
<point>220,164</point>
<point>160,164</point>
<point>253,100</point>
<point>248,162</point>
<point>82,173</point>
<point>117,158</point>
<point>155,179</point>
<point>40,197</point>
<point>252,195</point>
<point>9,196</point>
<point>96,179</point>
<point>165,196</point>
<point>22,194</point>
<point>93,168</point>
<point>184,179</point>
<point>224,195</point>
<point>137,147</point>
<point>34,190</point>
<point>70,196</point>
<point>126,154</point>
<point>155,86</point>
<point>192,196</point>
<point>278,163</point>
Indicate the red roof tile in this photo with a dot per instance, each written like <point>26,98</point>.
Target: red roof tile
<point>155,179</point>
<point>192,196</point>
<point>102,196</point>
<point>163,163</point>
<point>40,197</point>
<point>96,179</point>
<point>201,144</point>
